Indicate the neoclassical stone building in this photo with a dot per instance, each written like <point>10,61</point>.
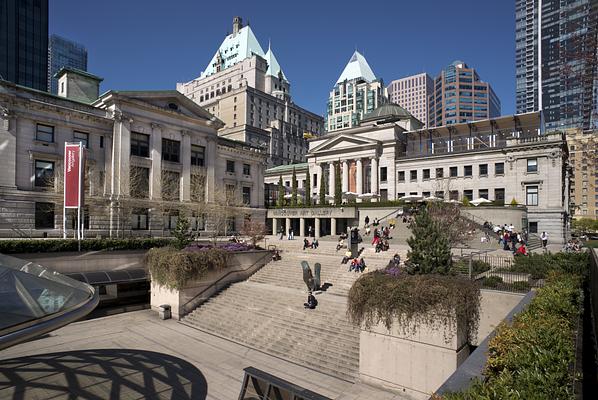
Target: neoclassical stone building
<point>504,159</point>
<point>150,156</point>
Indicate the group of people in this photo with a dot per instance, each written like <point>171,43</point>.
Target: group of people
<point>508,238</point>
<point>313,245</point>
<point>291,233</point>
<point>573,246</point>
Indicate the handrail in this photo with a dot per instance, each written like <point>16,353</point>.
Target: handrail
<point>389,214</point>
<point>215,283</point>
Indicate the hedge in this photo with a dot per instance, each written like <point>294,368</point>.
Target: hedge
<point>540,265</point>
<point>57,245</point>
<point>532,358</point>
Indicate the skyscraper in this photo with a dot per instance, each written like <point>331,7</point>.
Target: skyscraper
<point>568,55</point>
<point>412,94</point>
<point>64,53</point>
<point>357,92</point>
<point>24,42</point>
<point>460,96</point>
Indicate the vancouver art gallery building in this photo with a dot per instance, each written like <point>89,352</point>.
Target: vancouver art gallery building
<point>389,156</point>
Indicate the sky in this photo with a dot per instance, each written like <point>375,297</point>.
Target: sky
<point>152,45</point>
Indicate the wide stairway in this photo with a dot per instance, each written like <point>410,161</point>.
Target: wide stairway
<point>266,313</point>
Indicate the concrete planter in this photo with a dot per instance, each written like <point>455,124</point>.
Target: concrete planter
<point>241,266</point>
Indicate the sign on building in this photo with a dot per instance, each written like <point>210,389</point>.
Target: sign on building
<point>74,183</point>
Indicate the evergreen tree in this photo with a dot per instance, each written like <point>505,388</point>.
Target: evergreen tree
<point>430,251</point>
<point>323,190</point>
<point>181,233</point>
<point>338,191</point>
<point>307,189</point>
<point>280,200</point>
<point>294,189</point>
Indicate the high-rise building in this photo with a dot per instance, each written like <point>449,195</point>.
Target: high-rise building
<point>246,88</point>
<point>583,158</point>
<point>64,53</point>
<point>460,96</point>
<point>568,55</point>
<point>412,93</point>
<point>357,92</point>
<point>24,42</point>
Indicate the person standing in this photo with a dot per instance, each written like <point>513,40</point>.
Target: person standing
<point>544,238</point>
<point>367,220</point>
<point>309,231</point>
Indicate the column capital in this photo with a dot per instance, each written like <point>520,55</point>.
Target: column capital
<point>156,125</point>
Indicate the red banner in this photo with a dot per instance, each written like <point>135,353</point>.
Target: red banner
<point>72,176</point>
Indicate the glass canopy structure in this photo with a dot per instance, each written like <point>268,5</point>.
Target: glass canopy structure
<point>35,300</point>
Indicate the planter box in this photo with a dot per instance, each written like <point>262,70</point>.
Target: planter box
<point>241,266</point>
<point>414,363</point>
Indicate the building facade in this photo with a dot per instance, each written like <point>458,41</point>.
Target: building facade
<point>357,92</point>
<point>24,42</point>
<point>151,155</point>
<point>412,93</point>
<point>568,54</point>
<point>246,88</point>
<point>63,53</point>
<point>389,157</point>
<point>583,153</point>
<point>460,96</point>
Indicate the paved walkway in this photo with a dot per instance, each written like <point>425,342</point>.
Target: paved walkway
<point>137,356</point>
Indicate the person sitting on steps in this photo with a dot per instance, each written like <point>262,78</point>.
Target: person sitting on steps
<point>306,244</point>
<point>346,257</point>
<point>311,302</point>
<point>315,244</point>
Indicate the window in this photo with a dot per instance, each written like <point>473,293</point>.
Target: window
<point>533,227</point>
<point>383,174</point>
<point>531,195</point>
<point>315,180</point>
<point>439,172</point>
<point>198,154</point>
<point>246,195</point>
<point>499,168</point>
<point>230,166</point>
<point>400,194</point>
<point>426,194</point>
<point>483,193</point>
<point>454,195</point>
<point>532,165</point>
<point>140,219</point>
<point>246,169</point>
<point>44,174</point>
<point>139,181</point>
<point>170,220</point>
<point>44,215</point>
<point>468,170</point>
<point>101,142</point>
<point>439,194</point>
<point>483,169</point>
<point>426,173</point>
<point>401,176</point>
<point>171,185</point>
<point>171,150</point>
<point>413,175</point>
<point>468,194</point>
<point>139,144</point>
<point>453,171</point>
<point>44,133</point>
<point>499,195</point>
<point>81,137</point>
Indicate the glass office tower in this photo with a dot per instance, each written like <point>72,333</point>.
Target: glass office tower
<point>64,53</point>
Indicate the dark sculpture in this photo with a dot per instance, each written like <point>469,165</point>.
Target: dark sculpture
<point>308,278</point>
<point>317,269</point>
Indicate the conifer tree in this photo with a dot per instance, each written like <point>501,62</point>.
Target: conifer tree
<point>430,251</point>
<point>323,189</point>
<point>307,190</point>
<point>181,233</point>
<point>294,189</point>
<point>338,191</point>
<point>280,200</point>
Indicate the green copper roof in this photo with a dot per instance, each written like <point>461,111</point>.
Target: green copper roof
<point>387,112</point>
<point>64,70</point>
<point>285,168</point>
<point>273,66</point>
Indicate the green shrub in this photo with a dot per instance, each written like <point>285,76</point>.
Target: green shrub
<point>173,268</point>
<point>430,252</point>
<point>521,286</point>
<point>492,281</point>
<point>477,266</point>
<point>385,296</point>
<point>57,245</point>
<point>540,265</point>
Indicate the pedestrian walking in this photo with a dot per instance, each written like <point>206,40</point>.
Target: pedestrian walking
<point>544,238</point>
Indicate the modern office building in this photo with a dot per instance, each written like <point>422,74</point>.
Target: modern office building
<point>568,56</point>
<point>246,88</point>
<point>357,92</point>
<point>412,93</point>
<point>583,155</point>
<point>389,156</point>
<point>24,42</point>
<point>150,156</point>
<point>460,96</point>
<point>64,53</point>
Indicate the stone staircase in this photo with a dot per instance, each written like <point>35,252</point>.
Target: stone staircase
<point>266,313</point>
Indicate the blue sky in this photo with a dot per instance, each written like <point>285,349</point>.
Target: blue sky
<point>137,44</point>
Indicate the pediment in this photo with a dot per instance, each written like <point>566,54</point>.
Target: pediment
<point>345,142</point>
<point>173,101</point>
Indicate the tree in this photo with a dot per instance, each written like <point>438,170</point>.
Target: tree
<point>255,230</point>
<point>294,189</point>
<point>448,217</point>
<point>323,188</point>
<point>182,234</point>
<point>338,190</point>
<point>430,251</point>
<point>280,199</point>
<point>225,207</point>
<point>307,190</point>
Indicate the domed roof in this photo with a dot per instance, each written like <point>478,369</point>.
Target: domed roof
<point>387,113</point>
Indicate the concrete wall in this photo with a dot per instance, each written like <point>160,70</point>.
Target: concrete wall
<point>240,267</point>
<point>494,307</point>
<point>69,262</point>
<point>496,215</point>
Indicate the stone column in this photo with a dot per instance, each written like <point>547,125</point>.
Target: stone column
<point>302,227</point>
<point>156,172</point>
<point>274,226</point>
<point>374,180</point>
<point>333,226</point>
<point>211,150</point>
<point>319,171</point>
<point>8,148</point>
<point>359,182</point>
<point>345,185</point>
<point>317,228</point>
<point>331,179</point>
<point>186,161</point>
<point>287,226</point>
